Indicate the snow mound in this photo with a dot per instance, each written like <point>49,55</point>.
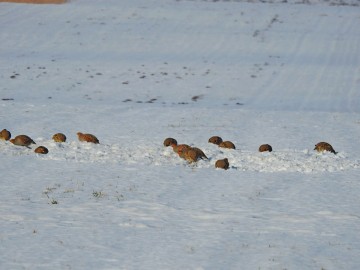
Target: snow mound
<point>287,160</point>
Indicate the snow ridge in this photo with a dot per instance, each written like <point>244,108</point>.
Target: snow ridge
<point>283,160</point>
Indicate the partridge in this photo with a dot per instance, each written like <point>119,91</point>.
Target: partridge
<point>22,140</point>
<point>5,135</point>
<point>41,150</point>
<point>324,146</point>
<point>199,152</point>
<point>180,149</point>
<point>265,147</point>
<point>59,137</point>
<point>87,138</point>
<point>227,144</point>
<point>169,141</point>
<point>215,140</point>
<point>193,154</point>
<point>222,164</point>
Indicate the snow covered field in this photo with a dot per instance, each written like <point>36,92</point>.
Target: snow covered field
<point>134,72</point>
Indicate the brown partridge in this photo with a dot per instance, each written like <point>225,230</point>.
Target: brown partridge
<point>227,144</point>
<point>215,140</point>
<point>59,137</point>
<point>265,147</point>
<point>193,154</point>
<point>200,153</point>
<point>169,142</point>
<point>180,149</point>
<point>87,138</point>
<point>222,164</point>
<point>324,146</point>
<point>41,150</point>
<point>22,140</point>
<point>5,135</point>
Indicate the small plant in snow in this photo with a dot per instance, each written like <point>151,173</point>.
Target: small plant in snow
<point>48,190</point>
<point>98,194</point>
<point>120,197</point>
<point>53,201</point>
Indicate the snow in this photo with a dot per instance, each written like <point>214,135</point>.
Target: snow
<point>135,72</point>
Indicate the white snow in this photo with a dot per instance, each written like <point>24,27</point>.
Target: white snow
<point>134,72</point>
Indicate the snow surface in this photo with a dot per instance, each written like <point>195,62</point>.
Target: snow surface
<point>134,72</point>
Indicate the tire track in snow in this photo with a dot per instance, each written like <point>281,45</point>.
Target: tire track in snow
<point>317,62</point>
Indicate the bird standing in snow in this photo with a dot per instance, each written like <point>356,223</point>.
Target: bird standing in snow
<point>215,140</point>
<point>169,142</point>
<point>59,137</point>
<point>324,146</point>
<point>41,150</point>
<point>5,135</point>
<point>227,144</point>
<point>87,138</point>
<point>22,140</point>
<point>222,164</point>
<point>265,148</point>
<point>180,149</point>
<point>193,154</point>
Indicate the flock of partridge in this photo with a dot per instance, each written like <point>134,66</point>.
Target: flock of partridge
<point>24,140</point>
<point>187,152</point>
<point>193,154</point>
